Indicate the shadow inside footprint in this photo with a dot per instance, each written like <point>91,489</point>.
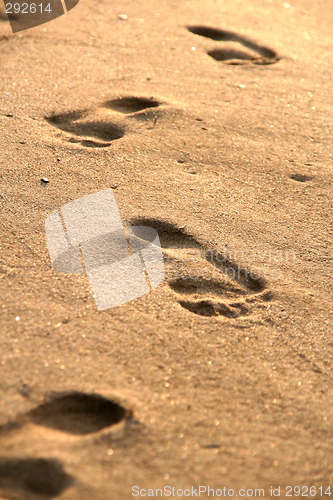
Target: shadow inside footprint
<point>300,177</point>
<point>227,55</point>
<point>267,55</point>
<point>131,104</point>
<point>195,286</point>
<point>73,122</point>
<point>45,478</point>
<point>63,118</point>
<point>169,234</point>
<point>78,413</point>
<point>210,308</point>
<point>202,307</point>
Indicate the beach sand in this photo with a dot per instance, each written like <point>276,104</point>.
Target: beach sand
<point>221,141</point>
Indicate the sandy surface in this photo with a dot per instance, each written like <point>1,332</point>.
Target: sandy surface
<point>224,147</point>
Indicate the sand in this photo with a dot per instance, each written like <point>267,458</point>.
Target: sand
<point>221,141</point>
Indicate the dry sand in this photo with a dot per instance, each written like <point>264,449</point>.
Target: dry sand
<point>223,146</point>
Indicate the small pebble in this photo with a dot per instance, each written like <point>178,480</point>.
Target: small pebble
<point>25,391</point>
<point>44,180</point>
<point>114,186</point>
<point>193,172</point>
<point>122,17</point>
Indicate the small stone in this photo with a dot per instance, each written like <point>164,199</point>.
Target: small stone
<point>114,186</point>
<point>44,180</point>
<point>122,17</point>
<point>58,159</point>
<point>25,391</point>
<point>193,172</point>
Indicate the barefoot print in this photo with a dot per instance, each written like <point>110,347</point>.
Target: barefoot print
<point>205,282</point>
<point>74,413</point>
<point>256,53</point>
<point>99,127</point>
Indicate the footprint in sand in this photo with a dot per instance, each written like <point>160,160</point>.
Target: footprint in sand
<point>74,413</point>
<point>100,126</point>
<point>205,282</point>
<point>93,132</point>
<point>32,478</point>
<point>78,413</point>
<point>257,53</point>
